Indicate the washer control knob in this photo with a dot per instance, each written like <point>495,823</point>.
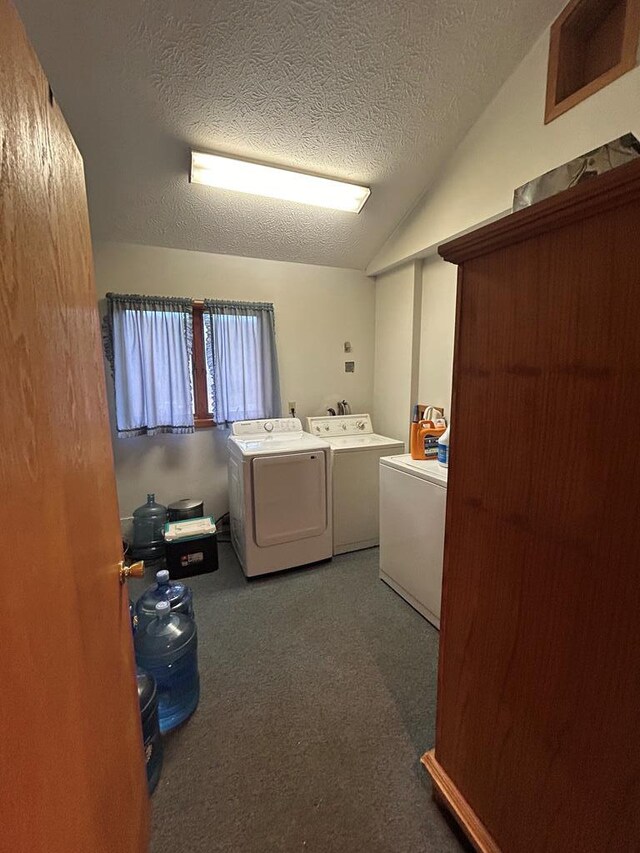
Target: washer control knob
<point>344,426</point>
<point>268,426</point>
<point>326,428</point>
<point>360,424</point>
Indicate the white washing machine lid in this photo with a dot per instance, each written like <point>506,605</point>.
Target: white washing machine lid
<point>270,445</point>
<point>341,443</point>
<point>272,436</point>
<point>351,432</point>
<point>427,469</point>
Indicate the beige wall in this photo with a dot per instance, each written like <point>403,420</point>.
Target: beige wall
<point>396,350</point>
<point>507,146</point>
<point>317,309</point>
<point>436,333</point>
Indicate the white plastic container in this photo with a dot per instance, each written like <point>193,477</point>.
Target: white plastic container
<point>443,448</point>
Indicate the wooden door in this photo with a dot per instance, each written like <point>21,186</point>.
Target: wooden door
<point>71,761</point>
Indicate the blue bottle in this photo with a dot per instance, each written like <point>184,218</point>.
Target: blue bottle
<point>178,594</point>
<point>443,448</point>
<point>148,529</point>
<point>167,648</point>
<point>153,752</point>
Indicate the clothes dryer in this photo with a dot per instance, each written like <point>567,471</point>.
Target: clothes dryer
<point>279,495</point>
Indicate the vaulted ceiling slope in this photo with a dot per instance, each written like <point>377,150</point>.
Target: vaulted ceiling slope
<point>371,91</point>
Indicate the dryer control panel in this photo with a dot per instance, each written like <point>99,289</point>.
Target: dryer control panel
<point>266,426</point>
<point>340,425</point>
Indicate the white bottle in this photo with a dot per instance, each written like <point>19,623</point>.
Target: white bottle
<point>443,448</point>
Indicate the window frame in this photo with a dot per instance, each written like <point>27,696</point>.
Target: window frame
<point>202,417</point>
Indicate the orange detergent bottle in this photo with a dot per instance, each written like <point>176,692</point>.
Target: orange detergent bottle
<point>423,439</point>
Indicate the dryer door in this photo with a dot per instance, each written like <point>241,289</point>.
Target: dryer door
<point>289,497</point>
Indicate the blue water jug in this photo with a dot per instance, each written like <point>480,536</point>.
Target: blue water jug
<point>167,648</point>
<point>178,594</point>
<point>148,530</point>
<point>148,701</point>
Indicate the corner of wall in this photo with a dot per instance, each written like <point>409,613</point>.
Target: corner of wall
<point>397,348</point>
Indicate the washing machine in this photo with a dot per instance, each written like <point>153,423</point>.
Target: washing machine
<point>279,495</point>
<point>413,500</point>
<point>356,452</point>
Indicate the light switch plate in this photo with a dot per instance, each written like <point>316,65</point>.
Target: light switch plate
<point>349,367</point>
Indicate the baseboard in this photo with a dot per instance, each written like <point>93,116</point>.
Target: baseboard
<point>446,794</point>
<point>410,599</point>
<point>348,547</point>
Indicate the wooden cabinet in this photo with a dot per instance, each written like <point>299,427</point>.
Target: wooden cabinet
<point>537,744</point>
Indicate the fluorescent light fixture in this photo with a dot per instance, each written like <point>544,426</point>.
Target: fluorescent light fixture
<point>227,173</point>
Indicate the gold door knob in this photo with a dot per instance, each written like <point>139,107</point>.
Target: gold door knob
<point>135,570</point>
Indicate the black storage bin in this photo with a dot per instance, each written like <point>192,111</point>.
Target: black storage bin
<point>191,555</point>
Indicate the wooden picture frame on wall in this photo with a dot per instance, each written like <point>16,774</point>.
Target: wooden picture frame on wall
<point>592,43</point>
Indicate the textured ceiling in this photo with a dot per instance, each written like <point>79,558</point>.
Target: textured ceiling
<point>373,91</point>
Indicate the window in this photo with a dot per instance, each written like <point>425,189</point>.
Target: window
<point>242,396</point>
<point>148,344</point>
<point>179,364</point>
<point>235,363</point>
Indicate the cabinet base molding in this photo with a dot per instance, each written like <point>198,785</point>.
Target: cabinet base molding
<point>448,796</point>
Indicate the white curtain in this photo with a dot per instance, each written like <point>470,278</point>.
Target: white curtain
<point>242,364</point>
<point>148,341</point>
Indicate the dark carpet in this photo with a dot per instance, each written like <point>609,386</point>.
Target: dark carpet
<point>318,698</point>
